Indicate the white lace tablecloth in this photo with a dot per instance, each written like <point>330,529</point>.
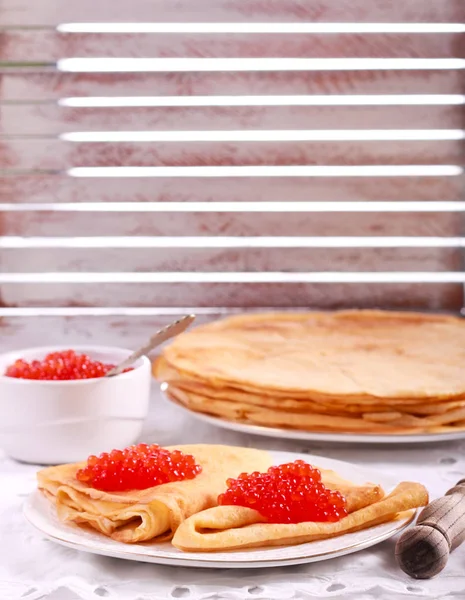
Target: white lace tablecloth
<point>33,568</point>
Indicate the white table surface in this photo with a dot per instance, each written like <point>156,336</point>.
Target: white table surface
<point>34,568</point>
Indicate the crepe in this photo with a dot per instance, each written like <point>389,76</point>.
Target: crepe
<point>378,422</point>
<point>165,372</point>
<point>356,355</point>
<point>154,513</point>
<point>236,527</point>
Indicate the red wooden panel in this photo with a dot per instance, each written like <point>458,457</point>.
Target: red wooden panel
<point>231,224</point>
<point>55,188</point>
<point>42,154</point>
<point>24,84</point>
<point>227,259</point>
<point>51,119</point>
<point>47,153</point>
<point>414,295</point>
<point>52,12</point>
<point>48,45</point>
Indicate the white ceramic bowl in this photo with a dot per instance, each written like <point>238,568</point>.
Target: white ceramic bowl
<point>52,422</point>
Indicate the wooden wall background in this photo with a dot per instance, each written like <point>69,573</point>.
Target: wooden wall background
<point>327,174</point>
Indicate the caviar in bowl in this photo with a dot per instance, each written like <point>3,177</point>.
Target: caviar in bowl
<point>52,413</point>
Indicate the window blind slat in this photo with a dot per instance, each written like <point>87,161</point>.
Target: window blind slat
<point>53,12</point>
<point>50,119</point>
<point>231,224</point>
<point>48,46</point>
<point>324,295</point>
<point>45,85</point>
<point>38,187</point>
<point>62,155</point>
<point>41,260</point>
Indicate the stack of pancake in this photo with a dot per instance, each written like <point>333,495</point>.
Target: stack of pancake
<point>372,372</point>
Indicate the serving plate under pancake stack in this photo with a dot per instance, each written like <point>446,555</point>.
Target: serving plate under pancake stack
<point>349,376</point>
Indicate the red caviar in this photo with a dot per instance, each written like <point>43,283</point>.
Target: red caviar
<point>137,468</point>
<point>62,366</point>
<point>289,493</point>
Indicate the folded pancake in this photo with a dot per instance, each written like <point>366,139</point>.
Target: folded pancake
<point>154,513</point>
<point>236,527</point>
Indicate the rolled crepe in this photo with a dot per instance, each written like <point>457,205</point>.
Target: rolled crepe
<point>154,513</point>
<point>237,527</point>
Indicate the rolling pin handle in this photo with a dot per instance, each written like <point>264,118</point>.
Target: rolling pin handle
<point>422,551</point>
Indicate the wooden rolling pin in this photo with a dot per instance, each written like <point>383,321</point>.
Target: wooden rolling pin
<point>422,551</point>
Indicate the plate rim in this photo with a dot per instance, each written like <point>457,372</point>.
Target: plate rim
<point>206,559</point>
<point>315,436</point>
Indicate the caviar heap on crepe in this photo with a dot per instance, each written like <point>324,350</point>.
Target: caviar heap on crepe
<point>289,493</point>
<point>62,366</point>
<point>149,491</point>
<point>137,468</point>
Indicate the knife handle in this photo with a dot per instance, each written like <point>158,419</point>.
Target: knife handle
<point>422,551</point>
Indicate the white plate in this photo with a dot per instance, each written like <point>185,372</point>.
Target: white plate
<point>313,436</point>
<point>42,515</point>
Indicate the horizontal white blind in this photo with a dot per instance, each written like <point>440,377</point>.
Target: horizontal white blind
<point>164,156</point>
